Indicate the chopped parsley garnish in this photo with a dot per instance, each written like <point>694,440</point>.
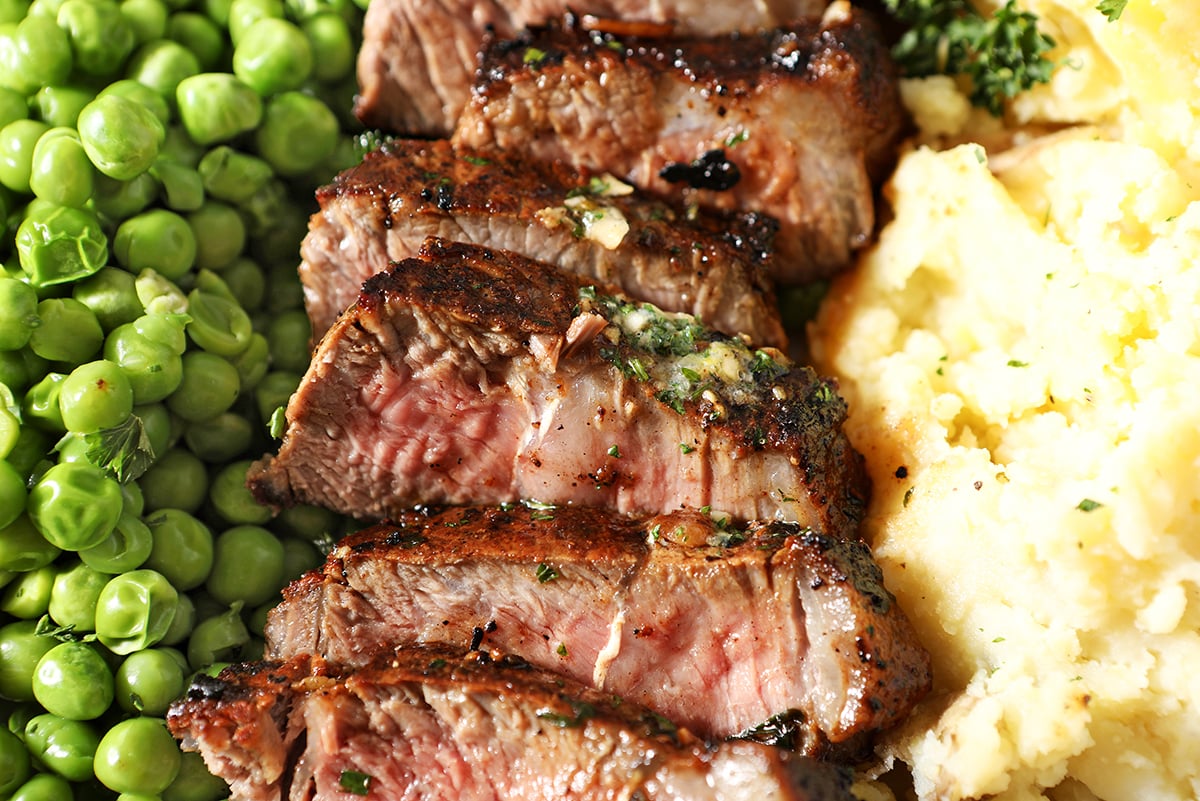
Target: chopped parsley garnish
<point>544,573</point>
<point>1003,54</point>
<point>580,711</point>
<point>737,138</point>
<point>355,782</point>
<point>1017,363</point>
<point>685,448</point>
<point>561,650</point>
<point>533,56</point>
<point>1088,505</point>
<point>1111,9</point>
<point>478,161</point>
<point>614,452</point>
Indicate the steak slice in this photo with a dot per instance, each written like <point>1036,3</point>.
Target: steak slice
<point>444,724</point>
<point>480,376</point>
<point>715,627</point>
<point>385,208</point>
<point>418,57</point>
<point>798,123</point>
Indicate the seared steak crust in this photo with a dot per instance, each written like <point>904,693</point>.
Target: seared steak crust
<point>795,122</point>
<point>714,627</point>
<point>418,57</point>
<point>438,723</point>
<point>385,208</point>
<point>478,376</point>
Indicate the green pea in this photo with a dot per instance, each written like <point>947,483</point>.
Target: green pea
<point>219,439</point>
<point>94,396</point>
<point>137,755</point>
<point>153,368</point>
<point>159,427</point>
<point>200,35</point>
<point>18,313</point>
<point>311,523</point>
<point>24,548</point>
<point>116,200</point>
<point>101,37</point>
<point>219,325</point>
<point>244,13</point>
<point>253,363</point>
<point>73,681</point>
<point>297,133</point>
<point>60,172</point>
<point>40,406</point>
<point>59,106</point>
<point>231,175</point>
<point>17,141</point>
<point>215,107</point>
<point>21,648</point>
<point>10,437</point>
<point>195,782</point>
<point>65,746</point>
<point>177,480</point>
<point>75,505</point>
<point>28,598</point>
<point>220,235</point>
<point>288,335</point>
<point>34,54</point>
<point>126,548</point>
<point>74,595</point>
<point>14,762</point>
<point>148,681</point>
<point>159,240</point>
<point>43,787</point>
<point>232,499</point>
<point>134,610</point>
<point>142,94</point>
<point>246,281</point>
<point>183,188</point>
<point>12,494</point>
<point>12,106</point>
<point>69,332</point>
<point>273,56</point>
<point>274,391</point>
<point>121,136</point>
<point>111,296</point>
<point>181,626</point>
<point>147,19</point>
<point>209,387</point>
<point>332,45</point>
<point>163,65</point>
<point>299,557</point>
<point>59,244</point>
<point>183,548</point>
<point>219,638</point>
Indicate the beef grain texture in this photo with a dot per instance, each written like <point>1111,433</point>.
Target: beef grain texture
<point>406,191</point>
<point>479,376</point>
<point>799,123</point>
<point>441,725</point>
<point>719,629</point>
<point>418,57</point>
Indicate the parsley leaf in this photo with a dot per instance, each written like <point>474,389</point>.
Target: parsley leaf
<point>123,451</point>
<point>1111,9</point>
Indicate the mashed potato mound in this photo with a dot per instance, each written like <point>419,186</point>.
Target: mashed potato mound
<point>1021,356</point>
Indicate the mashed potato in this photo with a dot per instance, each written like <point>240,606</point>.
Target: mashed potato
<point>1021,355</point>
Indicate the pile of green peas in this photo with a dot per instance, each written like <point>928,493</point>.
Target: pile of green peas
<point>157,166</point>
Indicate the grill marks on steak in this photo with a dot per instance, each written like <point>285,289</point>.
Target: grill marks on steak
<point>436,723</point>
<point>479,376</point>
<point>794,122</point>
<point>385,208</point>
<point>418,57</point>
<point>715,628</point>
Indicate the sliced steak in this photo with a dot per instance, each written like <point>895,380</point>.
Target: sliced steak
<point>418,57</point>
<point>798,122</point>
<point>715,627</point>
<point>479,376</point>
<point>383,210</point>
<point>441,724</point>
